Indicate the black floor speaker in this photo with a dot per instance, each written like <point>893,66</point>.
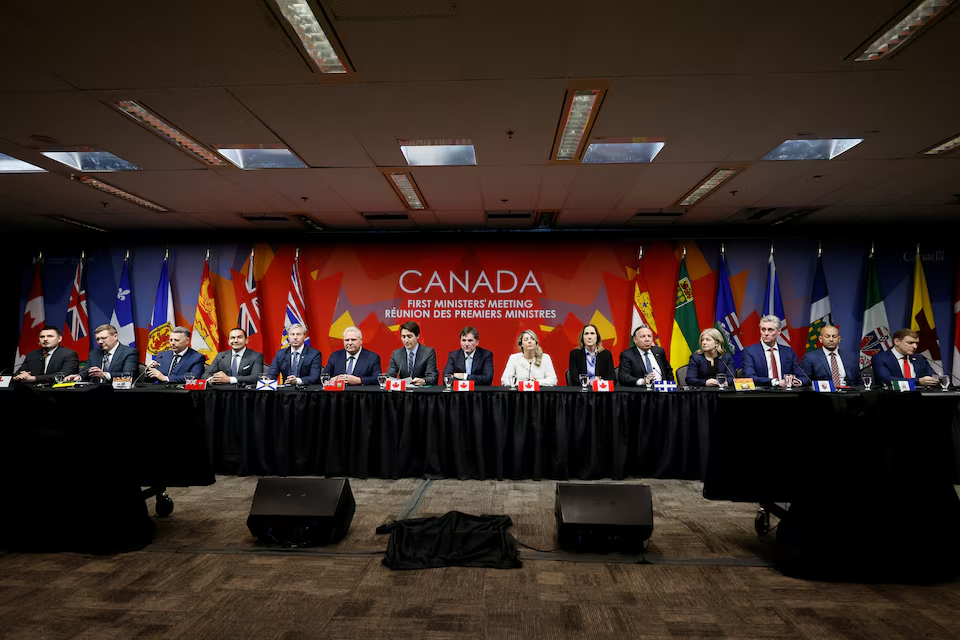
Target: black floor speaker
<point>604,518</point>
<point>301,512</point>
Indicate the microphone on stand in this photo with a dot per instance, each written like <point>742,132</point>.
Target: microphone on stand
<point>943,370</point>
<point>147,367</point>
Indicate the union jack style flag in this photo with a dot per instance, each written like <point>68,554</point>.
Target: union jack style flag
<point>249,317</point>
<point>76,329</point>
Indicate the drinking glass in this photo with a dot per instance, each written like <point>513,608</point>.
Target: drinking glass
<point>584,381</point>
<point>721,381</point>
<point>325,379</point>
<point>843,382</point>
<point>513,381</point>
<point>944,382</point>
<point>382,380</point>
<point>189,377</point>
<point>58,377</point>
<point>867,381</point>
<point>448,381</point>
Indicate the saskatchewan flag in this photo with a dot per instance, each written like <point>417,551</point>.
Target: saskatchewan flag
<point>686,331</point>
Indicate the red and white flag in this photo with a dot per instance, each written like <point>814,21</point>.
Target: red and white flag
<point>34,318</point>
<point>463,385</point>
<point>245,288</point>
<point>602,385</point>
<point>956,330</point>
<point>528,385</point>
<point>76,329</point>
<point>393,384</point>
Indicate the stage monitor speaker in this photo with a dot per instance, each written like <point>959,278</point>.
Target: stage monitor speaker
<point>301,512</point>
<point>604,518</point>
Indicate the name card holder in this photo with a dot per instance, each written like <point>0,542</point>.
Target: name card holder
<point>665,386</point>
<point>904,385</point>
<point>463,385</point>
<point>394,384</point>
<point>602,386</point>
<point>266,385</point>
<point>528,385</point>
<point>823,386</point>
<point>196,385</point>
<point>335,385</point>
<point>744,384</point>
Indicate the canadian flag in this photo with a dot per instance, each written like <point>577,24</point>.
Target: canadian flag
<point>528,385</point>
<point>463,385</point>
<point>393,384</point>
<point>602,385</point>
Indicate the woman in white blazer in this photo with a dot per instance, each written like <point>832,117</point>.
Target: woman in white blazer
<point>530,363</point>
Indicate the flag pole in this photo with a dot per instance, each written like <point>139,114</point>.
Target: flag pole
<point>684,251</point>
<point>208,254</point>
<point>819,249</point>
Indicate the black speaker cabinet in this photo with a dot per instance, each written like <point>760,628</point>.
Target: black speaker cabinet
<point>301,511</point>
<point>604,518</point>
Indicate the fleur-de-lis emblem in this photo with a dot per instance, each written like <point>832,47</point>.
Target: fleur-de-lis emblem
<point>122,293</point>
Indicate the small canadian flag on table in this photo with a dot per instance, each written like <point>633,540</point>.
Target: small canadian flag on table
<point>463,385</point>
<point>393,384</point>
<point>528,385</point>
<point>602,385</point>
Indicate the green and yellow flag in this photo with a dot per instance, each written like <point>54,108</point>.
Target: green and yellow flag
<point>686,332</point>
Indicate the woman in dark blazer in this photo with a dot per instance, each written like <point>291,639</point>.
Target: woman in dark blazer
<point>591,358</point>
<point>709,360</point>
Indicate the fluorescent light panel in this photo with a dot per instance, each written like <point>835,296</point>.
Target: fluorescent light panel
<point>168,132</point>
<point>120,193</point>
<point>904,30</point>
<point>812,149</point>
<point>439,153</point>
<point>404,185</point>
<point>78,223</point>
<point>577,120</point>
<point>260,156</point>
<point>944,147</point>
<point>622,152</point>
<point>90,161</point>
<point>9,164</point>
<point>305,24</point>
<point>711,182</point>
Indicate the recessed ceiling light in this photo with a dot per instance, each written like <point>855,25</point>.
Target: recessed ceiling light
<point>120,193</point>
<point>404,185</point>
<point>9,164</point>
<point>167,131</point>
<point>812,149</point>
<point>944,147</point>
<point>260,156</point>
<point>622,152</point>
<point>580,108</point>
<point>90,160</point>
<point>78,223</point>
<point>321,48</point>
<point>896,36</point>
<point>707,185</point>
<point>438,153</point>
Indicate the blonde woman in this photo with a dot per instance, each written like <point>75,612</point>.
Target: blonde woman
<point>709,360</point>
<point>530,363</point>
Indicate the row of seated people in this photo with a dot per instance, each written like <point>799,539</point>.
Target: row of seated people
<point>641,365</point>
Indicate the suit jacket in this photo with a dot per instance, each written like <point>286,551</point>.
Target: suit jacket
<point>125,360</point>
<point>251,365</point>
<point>62,359</point>
<point>578,365</point>
<point>367,366</point>
<point>697,369</point>
<point>886,367</point>
<point>755,364</point>
<point>632,367</point>
<point>192,362</point>
<point>425,366</point>
<point>311,365</point>
<point>816,366</point>
<point>482,370</point>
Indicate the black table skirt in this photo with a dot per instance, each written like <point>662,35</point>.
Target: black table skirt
<point>485,434</point>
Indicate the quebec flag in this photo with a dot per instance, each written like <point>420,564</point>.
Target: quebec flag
<point>122,317</point>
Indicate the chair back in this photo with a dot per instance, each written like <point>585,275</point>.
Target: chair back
<point>682,375</point>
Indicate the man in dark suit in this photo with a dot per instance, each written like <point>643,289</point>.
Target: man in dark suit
<point>299,364</point>
<point>644,362</point>
<point>239,364</point>
<point>41,365</point>
<point>470,361</point>
<point>767,363</point>
<point>413,360</point>
<point>828,363</point>
<point>900,363</point>
<point>174,364</point>
<point>353,364</point>
<point>109,358</point>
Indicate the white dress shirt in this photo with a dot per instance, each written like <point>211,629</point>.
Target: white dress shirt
<point>233,379</point>
<point>111,353</point>
<point>900,359</point>
<point>654,366</point>
<point>767,349</point>
<point>522,369</point>
<point>843,372</point>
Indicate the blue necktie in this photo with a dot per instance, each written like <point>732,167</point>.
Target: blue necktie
<point>646,358</point>
<point>235,366</point>
<point>350,362</point>
<point>469,364</point>
<point>173,364</point>
<point>409,364</point>
<point>295,366</point>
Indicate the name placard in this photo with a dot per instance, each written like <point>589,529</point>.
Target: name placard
<point>395,384</point>
<point>602,386</point>
<point>463,385</point>
<point>528,385</point>
<point>266,385</point>
<point>744,384</point>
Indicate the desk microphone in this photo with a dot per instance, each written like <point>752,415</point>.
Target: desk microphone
<point>943,370</point>
<point>147,367</point>
<point>724,363</point>
<point>796,366</point>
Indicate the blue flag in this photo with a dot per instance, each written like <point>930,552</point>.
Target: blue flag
<point>726,320</point>
<point>163,321</point>
<point>122,317</point>
<point>773,303</point>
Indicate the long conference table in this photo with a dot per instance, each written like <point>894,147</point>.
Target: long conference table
<point>756,446</point>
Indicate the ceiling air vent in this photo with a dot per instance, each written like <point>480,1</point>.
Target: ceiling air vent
<point>379,217</point>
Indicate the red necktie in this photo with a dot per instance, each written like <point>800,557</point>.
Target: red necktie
<point>834,369</point>
<point>907,373</point>
<point>773,364</point>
